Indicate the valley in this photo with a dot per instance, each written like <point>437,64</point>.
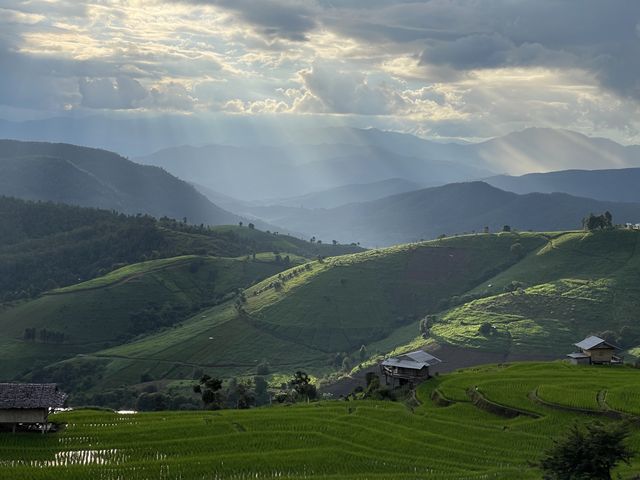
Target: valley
<point>306,239</point>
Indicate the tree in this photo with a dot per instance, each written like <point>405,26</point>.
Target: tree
<point>301,383</point>
<point>585,453</point>
<point>252,226</point>
<point>239,224</point>
<point>485,329</point>
<point>346,364</point>
<point>261,390</point>
<point>362,353</point>
<point>151,402</point>
<point>425,324</point>
<point>209,390</point>
<point>335,242</point>
<point>598,222</point>
<point>506,228</point>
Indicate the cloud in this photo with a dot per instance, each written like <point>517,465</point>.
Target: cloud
<point>172,96</point>
<point>601,38</point>
<point>340,91</point>
<point>287,19</point>
<point>121,93</point>
<point>468,67</point>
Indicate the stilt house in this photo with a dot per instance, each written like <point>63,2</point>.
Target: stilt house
<point>28,404</point>
<point>411,367</point>
<point>594,350</point>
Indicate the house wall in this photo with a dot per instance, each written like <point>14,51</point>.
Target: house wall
<point>20,415</point>
<point>580,361</point>
<point>413,373</point>
<point>601,355</point>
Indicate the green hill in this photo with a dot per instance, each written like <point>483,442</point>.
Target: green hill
<point>499,432</point>
<point>302,318</point>
<point>92,177</point>
<point>47,245</point>
<point>514,294</point>
<point>578,284</point>
<point>129,302</point>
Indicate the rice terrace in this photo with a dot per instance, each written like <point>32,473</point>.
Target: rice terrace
<point>314,239</point>
<point>447,433</point>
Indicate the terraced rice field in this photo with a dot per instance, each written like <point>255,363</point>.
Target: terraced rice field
<point>331,439</point>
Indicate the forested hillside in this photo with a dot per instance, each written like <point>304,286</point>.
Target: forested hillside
<point>46,245</point>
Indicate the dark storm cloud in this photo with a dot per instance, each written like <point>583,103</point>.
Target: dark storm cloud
<point>290,20</point>
<point>601,37</point>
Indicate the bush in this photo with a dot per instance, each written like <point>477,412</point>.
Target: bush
<point>485,329</point>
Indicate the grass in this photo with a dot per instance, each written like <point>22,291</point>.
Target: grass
<point>328,440</point>
<point>97,314</point>
<point>374,298</point>
<point>577,284</point>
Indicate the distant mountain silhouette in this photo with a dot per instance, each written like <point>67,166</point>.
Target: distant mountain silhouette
<point>619,185</point>
<point>98,178</point>
<point>258,173</point>
<point>449,209</point>
<point>353,193</point>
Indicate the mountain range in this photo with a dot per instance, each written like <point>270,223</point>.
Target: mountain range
<point>448,209</point>
<point>258,173</point>
<point>354,156</point>
<point>617,185</point>
<point>98,178</point>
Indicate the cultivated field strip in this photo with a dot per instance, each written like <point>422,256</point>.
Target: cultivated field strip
<point>335,439</point>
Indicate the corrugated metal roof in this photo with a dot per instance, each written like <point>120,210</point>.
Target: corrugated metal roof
<point>578,355</point>
<point>412,360</point>
<point>31,395</point>
<point>591,342</point>
<point>422,356</point>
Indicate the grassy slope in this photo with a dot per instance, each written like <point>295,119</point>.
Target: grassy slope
<point>96,314</point>
<point>361,439</point>
<point>578,284</point>
<point>337,305</point>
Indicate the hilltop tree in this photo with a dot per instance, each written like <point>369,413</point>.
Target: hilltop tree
<point>252,226</point>
<point>506,228</point>
<point>598,222</point>
<point>587,453</point>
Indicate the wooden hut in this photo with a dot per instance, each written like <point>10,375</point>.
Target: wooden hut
<point>411,367</point>
<point>28,404</point>
<point>594,350</point>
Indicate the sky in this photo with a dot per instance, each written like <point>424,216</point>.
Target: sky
<point>448,69</point>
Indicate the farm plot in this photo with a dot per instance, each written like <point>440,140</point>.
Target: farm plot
<point>331,439</point>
